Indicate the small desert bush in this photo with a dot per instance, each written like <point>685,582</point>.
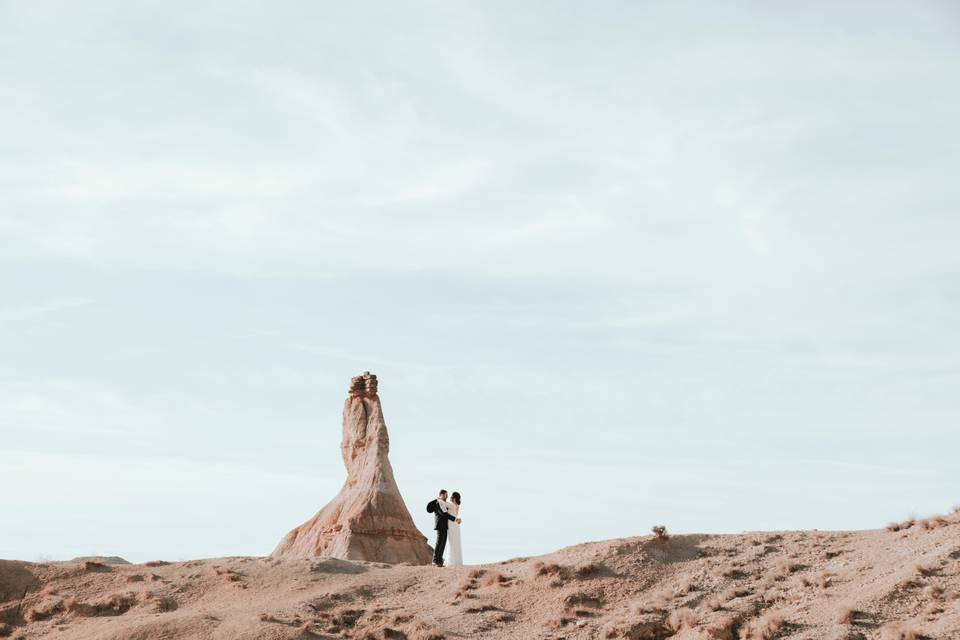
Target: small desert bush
<point>766,627</point>
<point>660,533</point>
<point>846,615</point>
<point>902,526</point>
<point>494,579</point>
<point>934,523</point>
<point>899,631</point>
<point>924,570</point>
<point>44,610</point>
<point>165,604</point>
<point>588,570</point>
<point>725,628</point>
<point>157,563</point>
<point>112,605</point>
<point>681,619</point>
<point>714,603</point>
<point>934,592</point>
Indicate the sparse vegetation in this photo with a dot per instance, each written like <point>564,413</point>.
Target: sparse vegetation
<point>766,627</point>
<point>660,533</point>
<point>683,618</point>
<point>900,631</point>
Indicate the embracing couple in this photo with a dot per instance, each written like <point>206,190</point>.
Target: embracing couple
<point>446,522</point>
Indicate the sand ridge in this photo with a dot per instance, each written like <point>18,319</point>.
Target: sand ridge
<point>805,584</point>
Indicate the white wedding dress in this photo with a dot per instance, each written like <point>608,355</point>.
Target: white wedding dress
<point>453,537</point>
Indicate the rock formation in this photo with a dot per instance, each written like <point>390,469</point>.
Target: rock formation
<point>368,519</point>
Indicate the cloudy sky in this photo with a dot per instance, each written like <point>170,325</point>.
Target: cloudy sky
<point>615,264</point>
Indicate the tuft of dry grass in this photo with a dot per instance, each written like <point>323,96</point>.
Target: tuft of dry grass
<point>165,604</point>
<point>924,570</point>
<point>714,604</point>
<point>588,570</point>
<point>766,627</point>
<point>786,567</point>
<point>846,616</point>
<point>933,592</point>
<point>900,631</point>
<point>725,628</point>
<point>112,605</point>
<point>44,610</point>
<point>493,579</point>
<point>683,618</point>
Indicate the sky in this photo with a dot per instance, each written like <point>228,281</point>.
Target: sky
<point>615,264</point>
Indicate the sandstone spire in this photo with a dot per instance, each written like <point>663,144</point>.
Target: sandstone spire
<point>368,519</point>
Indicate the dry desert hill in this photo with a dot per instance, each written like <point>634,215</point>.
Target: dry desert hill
<point>885,583</point>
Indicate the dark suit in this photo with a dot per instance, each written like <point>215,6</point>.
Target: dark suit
<point>441,520</point>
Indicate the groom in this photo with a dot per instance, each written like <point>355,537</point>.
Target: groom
<point>441,519</point>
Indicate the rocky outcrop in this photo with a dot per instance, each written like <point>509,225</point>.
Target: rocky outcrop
<point>368,519</point>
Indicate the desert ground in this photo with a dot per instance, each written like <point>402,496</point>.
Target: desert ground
<point>899,582</point>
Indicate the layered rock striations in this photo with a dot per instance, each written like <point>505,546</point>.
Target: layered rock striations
<point>368,519</point>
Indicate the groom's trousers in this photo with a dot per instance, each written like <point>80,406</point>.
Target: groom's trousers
<point>440,546</point>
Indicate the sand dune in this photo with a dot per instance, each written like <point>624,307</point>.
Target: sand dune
<point>807,584</point>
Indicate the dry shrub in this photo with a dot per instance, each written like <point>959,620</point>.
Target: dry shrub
<point>583,599</point>
<point>924,570</point>
<point>763,628</point>
<point>848,634</point>
<point>786,567</point>
<point>684,588</point>
<point>545,569</point>
<point>5,629</point>
<point>731,571</point>
<point>657,603</point>
<point>136,577</point>
<point>934,523</point>
<point>93,565</point>
<point>645,627</point>
<point>714,604</point>
<point>112,605</point>
<point>735,592</point>
<point>660,533</point>
<point>724,628</point>
<point>44,610</point>
<point>558,574</point>
<point>846,616</point>
<point>899,631</point>
<point>934,592</point>
<point>680,619</point>
<point>157,563</point>
<point>476,573</point>
<point>493,579</point>
<point>902,526</point>
<point>588,570</point>
<point>423,631</point>
<point>165,604</point>
<point>933,609</point>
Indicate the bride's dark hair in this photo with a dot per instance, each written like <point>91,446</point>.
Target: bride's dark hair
<point>455,496</point>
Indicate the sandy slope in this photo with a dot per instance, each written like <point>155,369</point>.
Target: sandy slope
<point>804,584</point>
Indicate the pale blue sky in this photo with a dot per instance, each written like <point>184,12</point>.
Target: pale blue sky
<point>615,264</point>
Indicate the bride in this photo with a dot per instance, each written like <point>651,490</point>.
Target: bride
<point>456,550</point>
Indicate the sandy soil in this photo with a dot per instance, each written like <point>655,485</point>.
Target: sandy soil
<point>806,584</point>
